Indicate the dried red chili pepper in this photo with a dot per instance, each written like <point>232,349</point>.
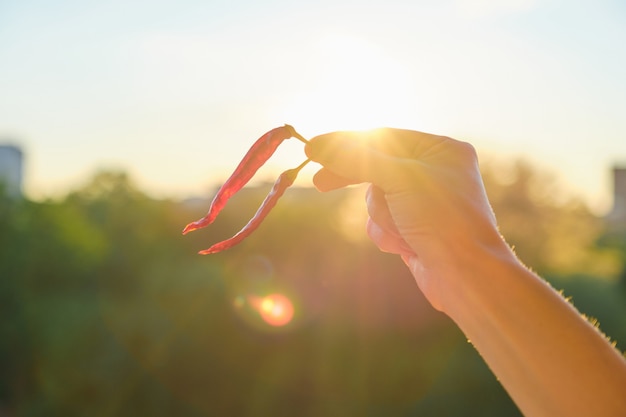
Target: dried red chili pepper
<point>284,181</point>
<point>257,155</point>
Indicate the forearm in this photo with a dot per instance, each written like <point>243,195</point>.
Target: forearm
<point>550,359</point>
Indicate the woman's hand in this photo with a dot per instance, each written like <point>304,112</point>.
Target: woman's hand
<point>428,204</point>
<point>426,200</point>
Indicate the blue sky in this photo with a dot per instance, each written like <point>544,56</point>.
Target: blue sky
<point>174,92</point>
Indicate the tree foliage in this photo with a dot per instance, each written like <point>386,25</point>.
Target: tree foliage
<point>551,230</point>
<point>107,309</point>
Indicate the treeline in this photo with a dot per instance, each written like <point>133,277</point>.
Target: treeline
<point>107,310</point>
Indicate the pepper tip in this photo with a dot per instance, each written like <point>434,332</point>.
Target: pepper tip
<point>190,228</point>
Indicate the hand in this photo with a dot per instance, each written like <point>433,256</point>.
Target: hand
<point>426,200</point>
<point>427,203</point>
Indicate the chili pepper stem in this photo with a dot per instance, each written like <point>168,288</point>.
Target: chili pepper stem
<point>299,167</point>
<point>296,134</point>
<point>300,137</point>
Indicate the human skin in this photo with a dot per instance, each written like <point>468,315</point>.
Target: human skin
<point>427,203</point>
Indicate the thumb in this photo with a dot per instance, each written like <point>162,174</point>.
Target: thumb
<point>348,155</point>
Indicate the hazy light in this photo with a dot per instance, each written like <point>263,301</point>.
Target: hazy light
<point>213,79</point>
<point>358,86</point>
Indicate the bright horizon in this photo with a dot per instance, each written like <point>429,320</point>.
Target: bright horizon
<point>174,93</point>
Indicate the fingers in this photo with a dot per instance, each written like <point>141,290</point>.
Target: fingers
<point>402,143</point>
<point>378,210</point>
<point>326,180</point>
<point>387,242</point>
<point>399,143</point>
<point>381,227</point>
<point>385,157</point>
<point>348,155</point>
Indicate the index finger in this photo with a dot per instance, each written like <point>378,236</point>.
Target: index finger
<point>376,156</point>
<point>401,143</point>
<point>348,156</point>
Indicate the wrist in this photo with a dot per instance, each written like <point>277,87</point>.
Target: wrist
<point>477,275</point>
<point>449,270</point>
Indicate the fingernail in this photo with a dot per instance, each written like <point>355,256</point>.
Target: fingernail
<point>411,261</point>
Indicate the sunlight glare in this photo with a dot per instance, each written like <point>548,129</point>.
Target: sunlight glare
<point>352,216</point>
<point>358,86</point>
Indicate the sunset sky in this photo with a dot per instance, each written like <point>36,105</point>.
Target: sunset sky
<point>175,91</point>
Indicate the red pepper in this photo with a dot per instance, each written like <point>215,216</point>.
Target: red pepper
<point>284,181</point>
<point>256,156</point>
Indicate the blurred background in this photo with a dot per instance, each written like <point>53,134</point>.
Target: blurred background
<point>119,120</point>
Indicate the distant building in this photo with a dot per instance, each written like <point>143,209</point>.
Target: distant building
<point>11,162</point>
<point>617,217</point>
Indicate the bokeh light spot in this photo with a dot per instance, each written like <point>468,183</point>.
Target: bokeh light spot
<point>275,309</point>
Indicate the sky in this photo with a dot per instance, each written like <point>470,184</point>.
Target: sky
<point>174,92</point>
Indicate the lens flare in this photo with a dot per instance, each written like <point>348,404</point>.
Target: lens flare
<point>275,309</point>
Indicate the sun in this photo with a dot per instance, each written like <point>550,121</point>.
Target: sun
<point>356,86</point>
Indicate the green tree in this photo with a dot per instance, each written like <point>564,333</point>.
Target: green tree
<point>108,310</point>
<point>551,229</point>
